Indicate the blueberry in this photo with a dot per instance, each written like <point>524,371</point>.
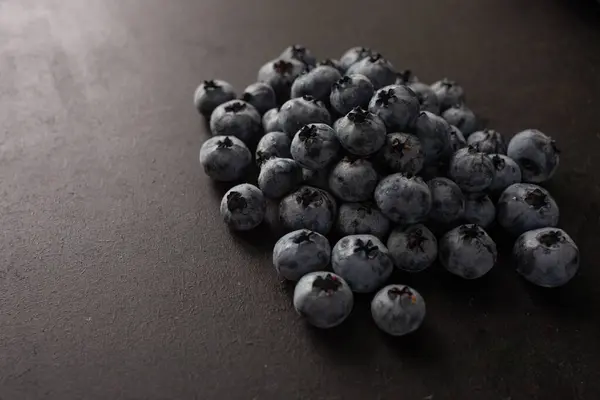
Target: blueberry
<point>211,94</point>
<point>413,248</point>
<point>428,100</point>
<point>296,113</point>
<point>536,154</point>
<point>243,207</point>
<point>299,53</point>
<point>471,170</point>
<point>448,93</point>
<point>270,121</point>
<point>318,178</point>
<point>273,144</point>
<point>403,200</point>
<point>354,55</point>
<point>467,251</point>
<point>331,62</point>
<point>435,134</point>
<point>525,206</point>
<point>279,176</point>
<point>225,158</point>
<point>398,310</point>
<point>308,208</point>
<point>406,78</point>
<point>546,257</point>
<point>349,92</point>
<point>299,253</point>
<point>360,132</point>
<point>236,118</point>
<point>377,69</point>
<point>362,218</point>
<point>353,179</point>
<point>457,140</point>
<point>402,152</point>
<point>280,74</point>
<point>315,146</point>
<point>447,201</point>
<point>479,210</point>
<point>507,173</point>
<point>397,106</point>
<point>261,96</point>
<point>323,299</point>
<point>363,261</point>
<point>316,83</point>
<point>487,141</point>
<point>462,117</point>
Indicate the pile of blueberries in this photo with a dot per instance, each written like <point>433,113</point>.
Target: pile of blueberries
<point>402,171</point>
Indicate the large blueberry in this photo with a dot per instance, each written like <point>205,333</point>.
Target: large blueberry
<point>237,118</point>
<point>471,170</point>
<point>273,144</point>
<point>413,248</point>
<point>397,106</point>
<point>462,117</point>
<point>316,83</point>
<point>308,208</point>
<point>447,201</point>
<point>212,93</point>
<point>300,111</point>
<point>225,158</point>
<point>402,152</point>
<point>360,132</point>
<point>487,141</point>
<point>434,133</point>
<point>301,252</point>
<point>280,74</point>
<point>279,176</point>
<point>349,92</point>
<point>402,199</point>
<point>261,95</point>
<point>361,218</point>
<point>449,93</point>
<point>315,146</point>
<point>243,207</point>
<point>507,173</point>
<point>353,179</point>
<point>536,154</point>
<point>398,310</point>
<point>377,69</point>
<point>467,251</point>
<point>354,55</point>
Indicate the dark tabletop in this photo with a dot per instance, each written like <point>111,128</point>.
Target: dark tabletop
<point>118,280</point>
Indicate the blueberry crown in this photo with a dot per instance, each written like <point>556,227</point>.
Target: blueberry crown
<point>235,107</point>
<point>298,51</point>
<point>367,247</point>
<point>554,147</point>
<point>342,81</point>
<point>405,75</point>
<point>358,115</point>
<point>448,83</point>
<point>236,202</point>
<point>211,85</point>
<point>225,143</point>
<point>283,67</point>
<point>398,146</point>
<point>247,96</point>
<point>329,283</point>
<point>307,132</point>
<point>498,162</point>
<point>262,156</point>
<point>309,98</point>
<point>385,97</point>
<point>470,231</point>
<point>551,238</point>
<point>396,292</point>
<point>327,62</point>
<point>364,209</point>
<point>416,240</point>
<point>308,197</point>
<point>375,57</point>
<point>303,236</point>
<point>536,198</point>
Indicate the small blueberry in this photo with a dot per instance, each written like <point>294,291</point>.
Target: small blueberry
<point>315,146</point>
<point>237,118</point>
<point>299,253</point>
<point>398,310</point>
<point>243,207</point>
<point>402,199</point>
<point>536,154</point>
<point>308,208</point>
<point>353,179</point>
<point>467,251</point>
<point>397,106</point>
<point>413,248</point>
<point>225,158</point>
<point>360,132</point>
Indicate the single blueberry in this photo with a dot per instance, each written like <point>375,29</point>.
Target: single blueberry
<point>402,199</point>
<point>280,74</point>
<point>546,257</point>
<point>448,93</point>
<point>353,179</point>
<point>435,134</point>
<point>397,106</point>
<point>413,248</point>
<point>398,310</point>
<point>323,299</point>
<point>462,117</point>
<point>363,261</point>
<point>525,206</point>
<point>279,176</point>
<point>225,158</point>
<point>296,113</point>
<point>362,218</point>
<point>211,94</point>
<point>471,170</point>
<point>360,132</point>
<point>315,146</point>
<point>507,173</point>
<point>428,100</point>
<point>299,53</point>
<point>308,208</point>
<point>447,201</point>
<point>316,83</point>
<point>261,95</point>
<point>273,144</point>
<point>536,154</point>
<point>354,55</point>
<point>270,121</point>
<point>349,92</point>
<point>468,251</point>
<point>406,77</point>
<point>301,252</point>
<point>457,139</point>
<point>237,118</point>
<point>243,207</point>
<point>377,69</point>
<point>479,210</point>
<point>402,152</point>
<point>487,141</point>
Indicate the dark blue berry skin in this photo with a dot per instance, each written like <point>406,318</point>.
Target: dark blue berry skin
<point>299,53</point>
<point>487,141</point>
<point>398,310</point>
<point>318,178</point>
<point>397,106</point>
<point>406,78</point>
<point>448,201</point>
<point>349,92</point>
<point>301,252</point>
<point>428,100</point>
<point>316,83</point>
<point>243,207</point>
<point>525,206</point>
<point>457,139</point>
<point>435,135</point>
<point>471,170</point>
<point>462,117</point>
<point>402,152</point>
<point>273,144</point>
<point>261,95</point>
<point>377,69</point>
<point>467,251</point>
<point>308,208</point>
<point>362,218</point>
<point>270,121</point>
<point>225,158</point>
<point>237,118</point>
<point>353,180</point>
<point>354,55</point>
<point>331,62</point>
<point>546,257</point>
<point>296,113</point>
<point>413,248</point>
<point>211,94</point>
<point>403,200</point>
<point>479,210</point>
<point>315,146</point>
<point>279,176</point>
<point>360,132</point>
<point>280,74</point>
<point>448,93</point>
<point>536,154</point>
<point>507,173</point>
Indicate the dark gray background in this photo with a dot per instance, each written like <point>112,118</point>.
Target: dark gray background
<point>119,281</point>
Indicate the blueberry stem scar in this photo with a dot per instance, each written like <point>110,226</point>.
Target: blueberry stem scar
<point>236,202</point>
<point>328,284</point>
